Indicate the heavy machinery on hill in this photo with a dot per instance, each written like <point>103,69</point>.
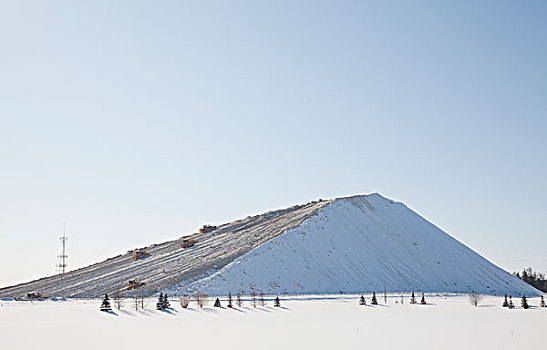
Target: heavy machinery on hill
<point>140,254</point>
<point>35,295</point>
<point>207,228</point>
<point>187,243</point>
<point>134,284</point>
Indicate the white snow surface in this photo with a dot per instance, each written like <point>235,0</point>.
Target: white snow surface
<point>306,322</point>
<point>360,244</point>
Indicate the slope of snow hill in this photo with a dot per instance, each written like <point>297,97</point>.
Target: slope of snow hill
<point>354,244</point>
<point>361,244</point>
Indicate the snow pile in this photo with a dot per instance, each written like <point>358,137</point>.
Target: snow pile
<point>353,244</point>
<point>361,244</point>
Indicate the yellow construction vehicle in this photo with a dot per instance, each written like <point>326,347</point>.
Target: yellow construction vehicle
<point>134,284</point>
<point>140,254</point>
<point>36,295</point>
<point>187,243</point>
<point>207,228</point>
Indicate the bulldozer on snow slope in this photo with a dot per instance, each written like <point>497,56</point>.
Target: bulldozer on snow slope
<point>134,284</point>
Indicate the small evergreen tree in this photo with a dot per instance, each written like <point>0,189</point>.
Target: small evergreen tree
<point>412,298</point>
<point>505,303</point>
<point>105,305</point>
<point>362,300</point>
<point>230,300</point>
<point>423,300</point>
<point>523,302</point>
<point>159,304</point>
<point>217,303</point>
<point>277,303</point>
<point>166,304</point>
<point>542,302</point>
<point>511,305</point>
<point>374,301</point>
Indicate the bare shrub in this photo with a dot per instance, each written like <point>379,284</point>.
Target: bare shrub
<point>184,301</point>
<point>118,296</point>
<point>201,299</point>
<point>261,299</point>
<point>238,299</point>
<point>253,298</point>
<point>475,298</point>
<point>141,297</point>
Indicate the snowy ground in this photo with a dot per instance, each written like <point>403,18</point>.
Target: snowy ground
<point>313,322</point>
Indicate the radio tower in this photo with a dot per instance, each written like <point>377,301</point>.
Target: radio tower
<point>61,267</point>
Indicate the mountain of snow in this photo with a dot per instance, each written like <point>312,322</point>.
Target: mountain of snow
<point>352,245</point>
<point>361,244</point>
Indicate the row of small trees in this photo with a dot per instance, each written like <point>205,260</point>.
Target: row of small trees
<point>374,300</point>
<point>523,302</point>
<point>474,298</point>
<point>254,300</point>
<point>200,299</point>
<point>138,302</point>
<point>119,299</point>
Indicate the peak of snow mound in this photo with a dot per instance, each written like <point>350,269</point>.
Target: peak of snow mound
<point>358,244</point>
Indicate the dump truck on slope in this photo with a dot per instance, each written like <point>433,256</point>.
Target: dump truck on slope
<point>187,243</point>
<point>140,254</point>
<point>207,228</point>
<point>35,295</point>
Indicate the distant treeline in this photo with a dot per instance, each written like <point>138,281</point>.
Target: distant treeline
<point>535,279</point>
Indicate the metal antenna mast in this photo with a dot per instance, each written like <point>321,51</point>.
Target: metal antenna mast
<point>61,267</point>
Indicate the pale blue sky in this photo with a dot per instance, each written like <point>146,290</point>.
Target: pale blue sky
<point>137,122</point>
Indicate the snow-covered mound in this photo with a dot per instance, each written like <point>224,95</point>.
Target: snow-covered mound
<point>354,244</point>
<point>361,244</point>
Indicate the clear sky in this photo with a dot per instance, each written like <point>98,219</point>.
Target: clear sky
<point>138,121</point>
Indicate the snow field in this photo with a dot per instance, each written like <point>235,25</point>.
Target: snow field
<point>303,322</point>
